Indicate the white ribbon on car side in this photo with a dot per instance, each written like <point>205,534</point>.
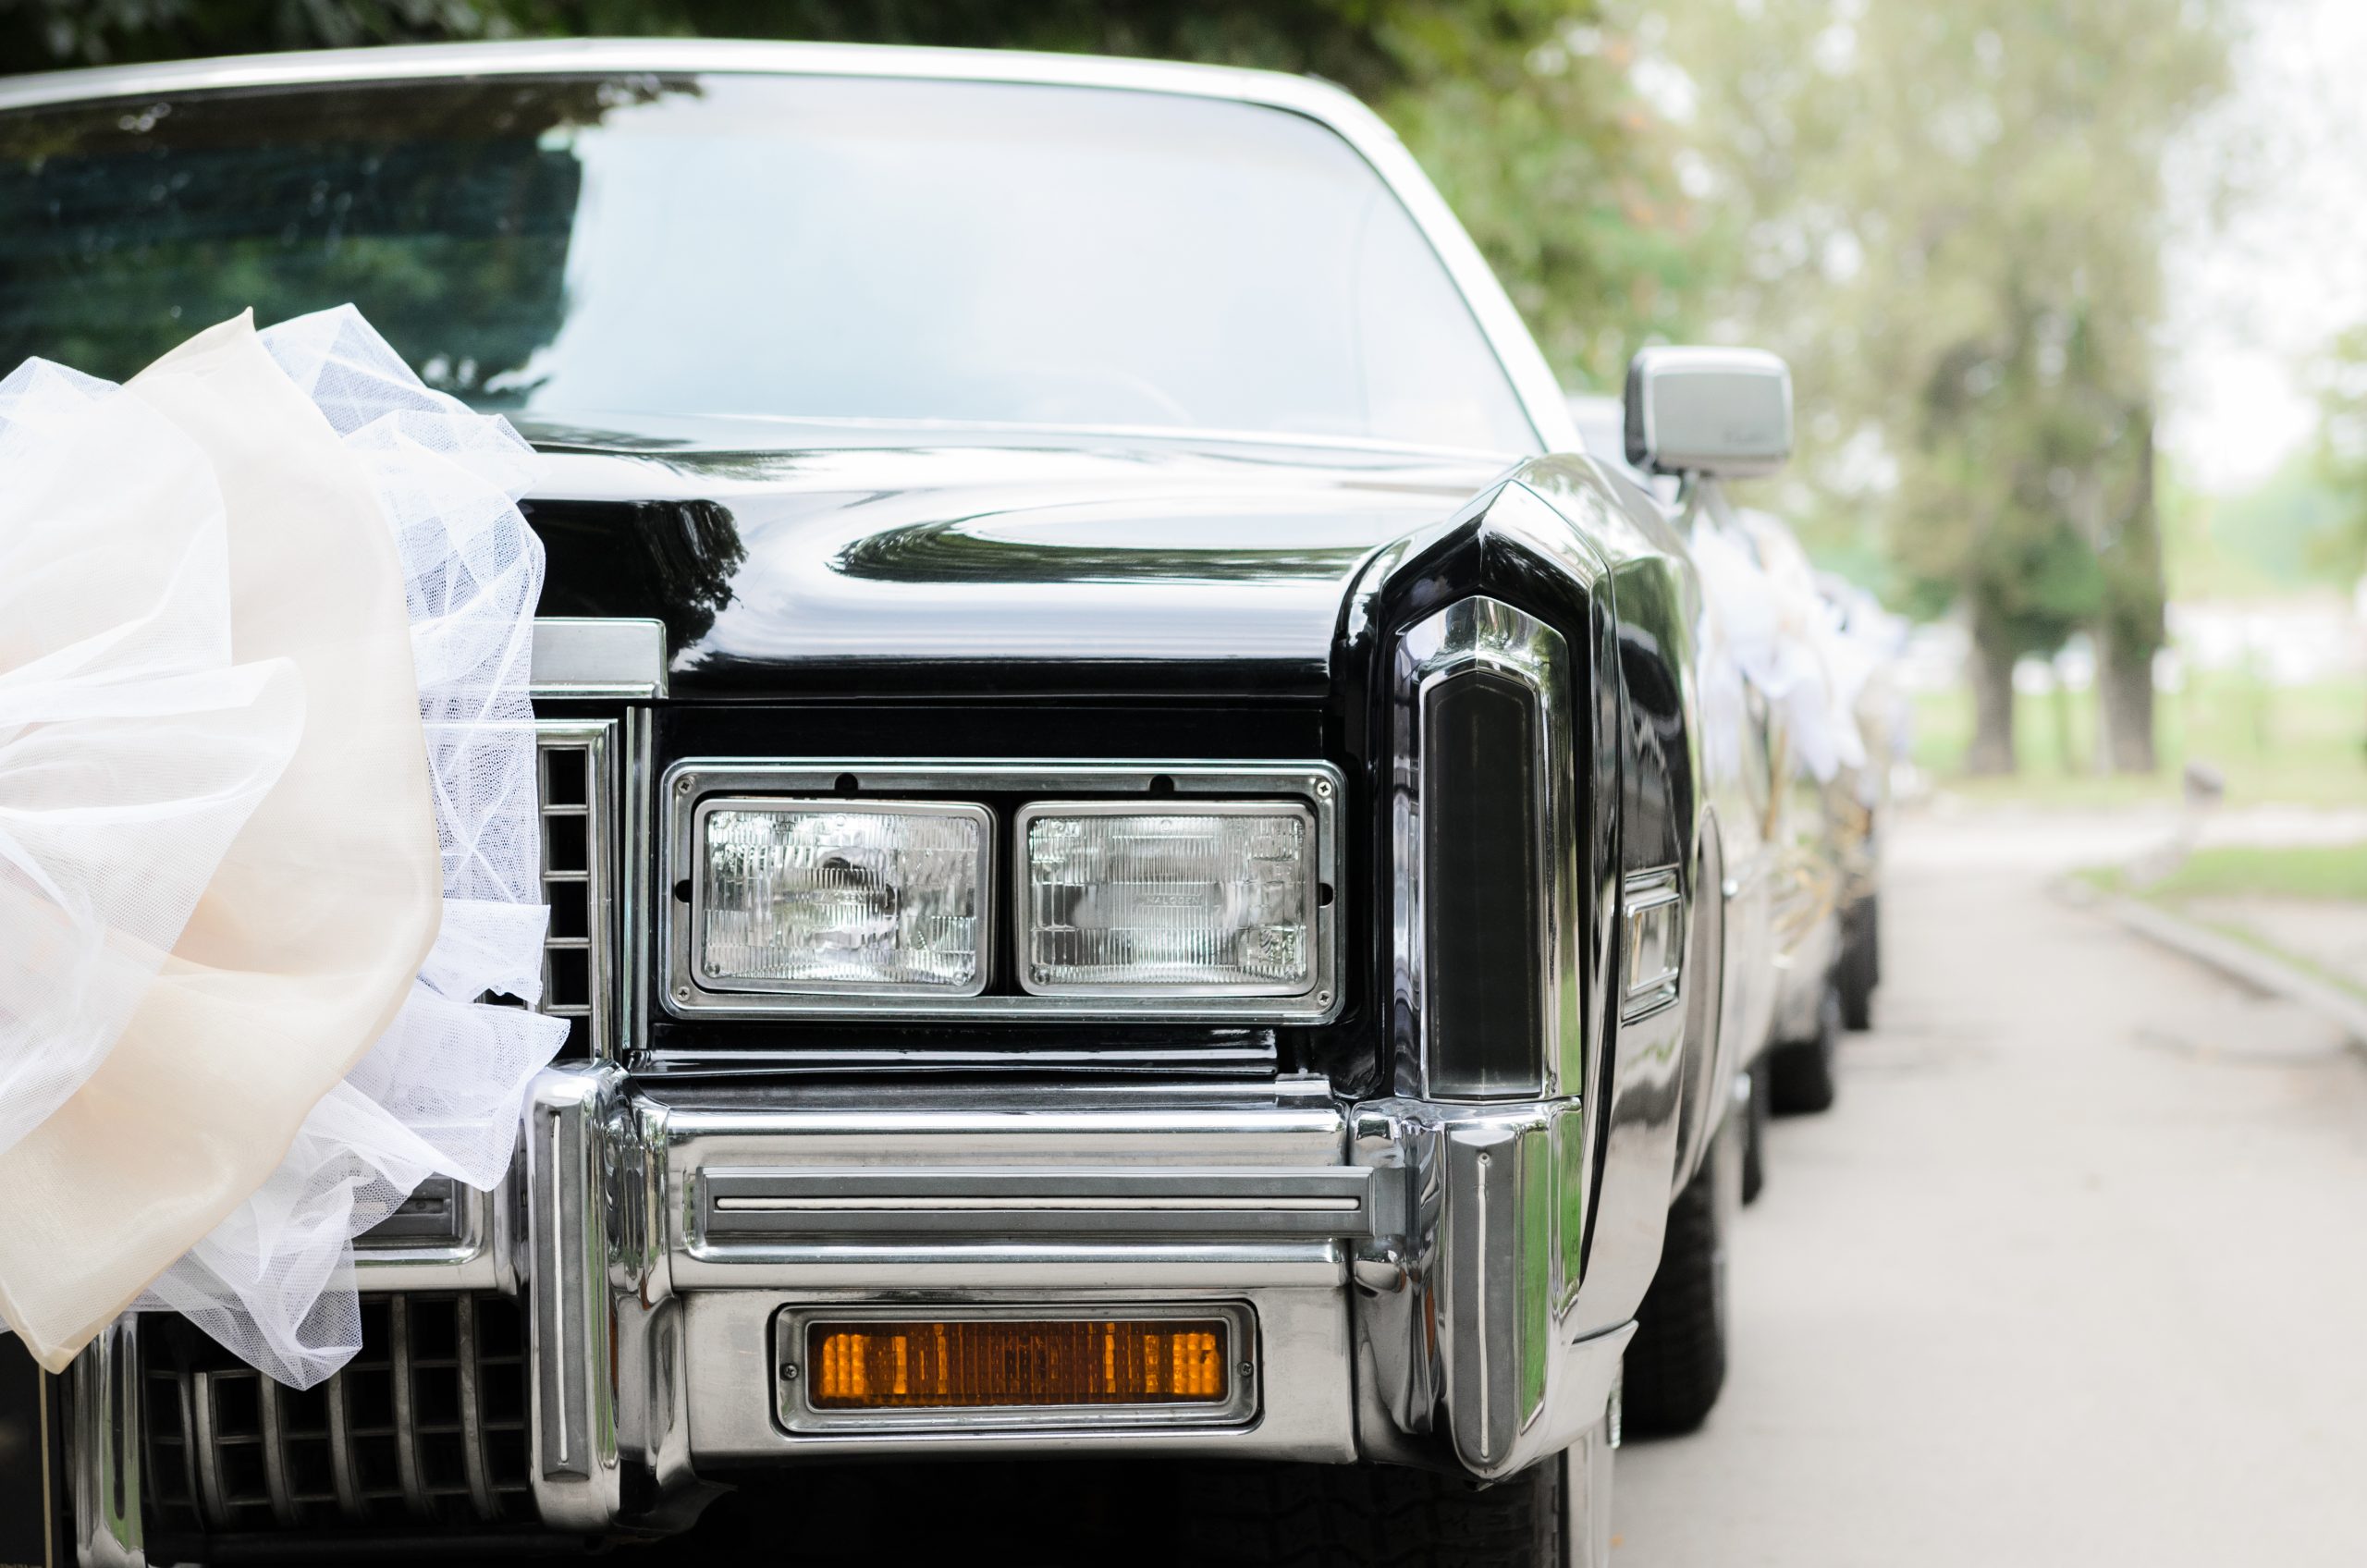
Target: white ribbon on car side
<point>1765,613</point>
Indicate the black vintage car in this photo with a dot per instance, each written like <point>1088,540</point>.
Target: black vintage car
<point>1125,827</point>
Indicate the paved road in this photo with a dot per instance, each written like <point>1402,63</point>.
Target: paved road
<point>2076,1272</point>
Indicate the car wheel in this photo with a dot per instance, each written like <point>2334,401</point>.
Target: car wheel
<point>1676,1362</point>
<point>1754,1147</point>
<point>1350,1516</point>
<point>1800,1073</point>
<point>1859,969</point>
<point>1586,1494</point>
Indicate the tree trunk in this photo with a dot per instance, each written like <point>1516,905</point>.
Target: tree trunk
<point>2125,711</point>
<point>2066,749</point>
<point>1993,705</point>
<point>2132,629</point>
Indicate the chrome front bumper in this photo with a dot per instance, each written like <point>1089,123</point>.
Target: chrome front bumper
<point>1403,1276</point>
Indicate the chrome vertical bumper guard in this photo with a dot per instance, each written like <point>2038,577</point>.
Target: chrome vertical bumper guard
<point>106,1470</point>
<point>1469,1350</point>
<point>609,1443</point>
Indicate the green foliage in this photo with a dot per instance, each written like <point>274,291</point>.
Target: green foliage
<point>1948,217</point>
<point>2316,871</point>
<point>58,34</point>
<point>2341,458</point>
<point>2294,530</point>
<point>1564,178</point>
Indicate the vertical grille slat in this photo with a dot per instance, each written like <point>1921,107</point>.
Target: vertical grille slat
<point>406,1391</point>
<point>424,1429</point>
<point>277,1483</point>
<point>577,790</point>
<point>171,1456</point>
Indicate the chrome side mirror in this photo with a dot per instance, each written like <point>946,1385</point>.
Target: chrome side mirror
<point>1724,412</point>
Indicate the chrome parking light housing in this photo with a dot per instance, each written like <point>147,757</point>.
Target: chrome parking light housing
<point>799,1413</point>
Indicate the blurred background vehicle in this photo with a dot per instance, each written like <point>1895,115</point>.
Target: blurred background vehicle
<point>1781,749</point>
<point>1857,799</point>
<point>1803,674</point>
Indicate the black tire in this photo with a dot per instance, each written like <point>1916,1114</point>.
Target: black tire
<point>1873,902</point>
<point>1352,1515</point>
<point>1676,1362</point>
<point>1800,1073</point>
<point>1754,1149</point>
<point>1859,971</point>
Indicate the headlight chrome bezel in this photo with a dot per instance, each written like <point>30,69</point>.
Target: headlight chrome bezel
<point>1012,793</point>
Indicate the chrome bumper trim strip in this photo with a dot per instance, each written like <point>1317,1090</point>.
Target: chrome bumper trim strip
<point>969,1200</point>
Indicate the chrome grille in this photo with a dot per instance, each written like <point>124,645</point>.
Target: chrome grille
<point>434,1216</point>
<point>425,1428</point>
<point>577,793</point>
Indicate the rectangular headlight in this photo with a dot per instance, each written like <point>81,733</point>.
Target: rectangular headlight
<point>877,896</point>
<point>1213,898</point>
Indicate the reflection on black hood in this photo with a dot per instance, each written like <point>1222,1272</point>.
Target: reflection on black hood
<point>1052,564</point>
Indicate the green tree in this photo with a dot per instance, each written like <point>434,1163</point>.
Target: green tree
<point>2341,458</point>
<point>1949,218</point>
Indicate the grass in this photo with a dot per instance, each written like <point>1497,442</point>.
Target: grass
<point>2338,871</point>
<point>2314,871</point>
<point>2304,744</point>
<point>2234,932</point>
<point>2334,872</point>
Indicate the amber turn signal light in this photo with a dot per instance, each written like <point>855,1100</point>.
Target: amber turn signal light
<point>927,1366</point>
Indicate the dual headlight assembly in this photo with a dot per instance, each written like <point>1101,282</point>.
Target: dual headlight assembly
<point>793,902</point>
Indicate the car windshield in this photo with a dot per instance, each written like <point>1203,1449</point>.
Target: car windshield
<point>783,247</point>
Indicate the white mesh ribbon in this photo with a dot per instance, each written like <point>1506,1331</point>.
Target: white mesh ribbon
<point>217,879</point>
<point>1769,623</point>
<point>439,1094</point>
<point>1875,640</point>
<point>132,750</point>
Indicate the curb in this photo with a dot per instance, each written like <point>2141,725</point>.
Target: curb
<point>2247,964</point>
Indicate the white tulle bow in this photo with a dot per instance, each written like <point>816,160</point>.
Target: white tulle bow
<point>125,691</point>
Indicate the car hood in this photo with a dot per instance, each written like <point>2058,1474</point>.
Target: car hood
<point>804,559</point>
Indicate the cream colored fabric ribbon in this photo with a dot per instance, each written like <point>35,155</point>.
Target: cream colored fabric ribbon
<point>310,931</point>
